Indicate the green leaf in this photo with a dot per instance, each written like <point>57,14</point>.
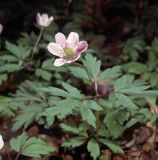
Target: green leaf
<point>74,92</point>
<point>6,107</point>
<point>73,129</point>
<point>91,104</point>
<point>92,65</point>
<point>68,128</point>
<point>134,89</point>
<point>44,74</point>
<point>48,64</point>
<point>93,148</point>
<point>8,58</point>
<point>152,101</point>
<point>55,91</point>
<point>3,78</point>
<point>123,82</point>
<point>10,68</point>
<point>18,51</point>
<point>136,68</point>
<point>155,45</point>
<point>111,73</point>
<point>27,116</point>
<point>32,147</point>
<point>113,123</point>
<point>79,72</point>
<point>111,145</point>
<point>18,143</point>
<point>126,101</point>
<point>62,108</point>
<point>133,46</point>
<point>87,115</point>
<point>74,142</point>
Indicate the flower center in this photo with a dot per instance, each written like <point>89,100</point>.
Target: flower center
<point>68,51</point>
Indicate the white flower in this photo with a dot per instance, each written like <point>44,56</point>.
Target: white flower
<point>1,142</point>
<point>43,19</point>
<point>69,50</point>
<point>1,28</point>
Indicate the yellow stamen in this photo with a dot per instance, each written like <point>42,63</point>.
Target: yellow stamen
<point>69,51</point>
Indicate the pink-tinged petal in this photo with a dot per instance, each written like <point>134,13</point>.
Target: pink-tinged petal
<point>49,21</point>
<point>1,142</point>
<point>73,40</point>
<point>82,46</point>
<point>60,39</point>
<point>38,16</point>
<point>77,57</point>
<point>51,18</point>
<point>55,49</point>
<point>45,16</point>
<point>59,62</point>
<point>1,28</point>
<point>44,19</point>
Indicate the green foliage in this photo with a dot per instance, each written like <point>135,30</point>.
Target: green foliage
<point>136,68</point>
<point>92,105</point>
<point>92,65</point>
<point>19,52</point>
<point>27,39</point>
<point>113,146</point>
<point>146,70</point>
<point>79,72</point>
<point>114,121</point>
<point>93,148</point>
<point>74,142</point>
<point>3,78</point>
<point>111,73</point>
<point>6,108</point>
<point>45,71</point>
<point>133,47</point>
<point>27,116</point>
<point>32,147</point>
<point>31,103</point>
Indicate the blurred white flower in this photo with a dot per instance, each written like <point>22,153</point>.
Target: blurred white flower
<point>1,142</point>
<point>43,19</point>
<point>69,50</point>
<point>1,28</point>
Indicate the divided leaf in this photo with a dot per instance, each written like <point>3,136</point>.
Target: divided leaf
<point>111,73</point>
<point>111,145</point>
<point>92,65</point>
<point>93,148</point>
<point>32,147</point>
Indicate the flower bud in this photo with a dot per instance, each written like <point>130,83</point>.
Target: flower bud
<point>43,19</point>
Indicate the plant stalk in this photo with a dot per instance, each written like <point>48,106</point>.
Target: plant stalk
<point>37,42</point>
<point>17,157</point>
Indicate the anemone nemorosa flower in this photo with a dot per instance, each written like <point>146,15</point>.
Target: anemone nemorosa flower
<point>69,50</point>
<point>43,19</point>
<point>1,142</point>
<point>1,28</point>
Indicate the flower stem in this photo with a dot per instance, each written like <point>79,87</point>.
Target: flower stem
<point>97,113</point>
<point>82,66</point>
<point>17,157</point>
<point>37,42</point>
<point>97,96</point>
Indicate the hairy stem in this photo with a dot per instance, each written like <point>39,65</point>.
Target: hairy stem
<point>37,42</point>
